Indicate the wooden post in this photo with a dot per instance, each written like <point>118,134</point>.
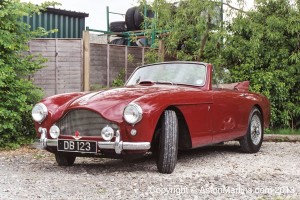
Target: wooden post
<point>126,62</point>
<point>161,50</point>
<point>56,66</point>
<point>86,58</point>
<point>108,65</point>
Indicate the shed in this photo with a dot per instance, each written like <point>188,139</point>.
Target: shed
<point>70,24</point>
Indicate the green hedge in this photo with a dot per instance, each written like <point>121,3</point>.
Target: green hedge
<point>17,93</point>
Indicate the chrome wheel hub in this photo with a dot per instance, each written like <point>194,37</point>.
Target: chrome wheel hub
<point>256,130</point>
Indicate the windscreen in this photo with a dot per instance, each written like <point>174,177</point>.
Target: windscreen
<point>173,73</point>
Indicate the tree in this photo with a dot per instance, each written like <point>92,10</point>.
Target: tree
<point>189,24</point>
<point>195,28</point>
<point>260,45</point>
<point>17,93</point>
<point>263,47</point>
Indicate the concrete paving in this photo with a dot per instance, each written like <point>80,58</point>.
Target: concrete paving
<point>281,138</point>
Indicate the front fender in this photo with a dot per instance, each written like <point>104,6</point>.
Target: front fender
<point>56,105</point>
<point>152,110</point>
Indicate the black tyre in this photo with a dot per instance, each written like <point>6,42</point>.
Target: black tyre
<point>123,41</point>
<point>119,26</point>
<point>129,19</point>
<point>119,41</point>
<point>252,141</point>
<point>64,159</point>
<point>139,17</point>
<point>168,143</point>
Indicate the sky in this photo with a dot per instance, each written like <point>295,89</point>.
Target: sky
<point>96,10</point>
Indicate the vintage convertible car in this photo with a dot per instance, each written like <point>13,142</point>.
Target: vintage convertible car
<point>163,107</point>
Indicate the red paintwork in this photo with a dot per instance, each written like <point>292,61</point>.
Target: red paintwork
<point>212,114</point>
<point>243,86</point>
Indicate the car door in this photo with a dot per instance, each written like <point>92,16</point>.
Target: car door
<point>198,116</point>
<point>228,114</point>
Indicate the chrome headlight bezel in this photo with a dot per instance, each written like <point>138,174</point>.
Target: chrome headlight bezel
<point>133,113</point>
<point>39,112</point>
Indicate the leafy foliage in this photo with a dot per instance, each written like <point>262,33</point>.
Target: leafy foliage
<point>190,24</point>
<point>261,45</point>
<point>17,93</point>
<point>119,81</point>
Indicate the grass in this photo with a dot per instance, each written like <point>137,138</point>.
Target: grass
<point>283,131</point>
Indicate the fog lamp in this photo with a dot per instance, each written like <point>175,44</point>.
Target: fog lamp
<point>54,131</point>
<point>107,133</point>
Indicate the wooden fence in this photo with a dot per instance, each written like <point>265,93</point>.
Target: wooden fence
<point>63,70</point>
<point>108,61</point>
<point>76,64</point>
<point>104,62</point>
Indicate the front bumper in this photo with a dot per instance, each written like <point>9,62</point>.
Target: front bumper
<point>118,145</point>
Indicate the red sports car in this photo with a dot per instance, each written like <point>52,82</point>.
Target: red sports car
<point>163,107</point>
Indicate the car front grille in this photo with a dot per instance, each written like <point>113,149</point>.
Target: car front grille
<point>86,122</point>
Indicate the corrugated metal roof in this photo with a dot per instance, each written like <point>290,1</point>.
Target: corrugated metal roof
<point>70,24</point>
<point>66,12</point>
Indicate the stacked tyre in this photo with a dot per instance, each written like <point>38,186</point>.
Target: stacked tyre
<point>120,41</point>
<point>119,26</point>
<point>134,19</point>
<point>123,41</point>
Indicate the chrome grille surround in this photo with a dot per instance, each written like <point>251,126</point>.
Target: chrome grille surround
<point>86,122</point>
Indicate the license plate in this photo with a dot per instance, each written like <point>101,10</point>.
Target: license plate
<point>77,146</point>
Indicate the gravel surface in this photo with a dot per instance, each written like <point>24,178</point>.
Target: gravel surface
<point>215,172</point>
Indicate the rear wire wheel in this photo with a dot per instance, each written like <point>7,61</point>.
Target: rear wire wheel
<point>252,141</point>
<point>168,143</point>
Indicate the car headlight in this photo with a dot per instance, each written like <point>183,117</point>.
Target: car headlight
<point>133,113</point>
<point>39,112</point>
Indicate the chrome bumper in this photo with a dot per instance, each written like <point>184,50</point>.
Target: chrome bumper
<point>117,145</point>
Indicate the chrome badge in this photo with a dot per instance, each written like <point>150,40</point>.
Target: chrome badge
<point>77,135</point>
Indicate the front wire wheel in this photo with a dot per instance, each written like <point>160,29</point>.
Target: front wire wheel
<point>168,143</point>
<point>64,159</point>
<point>252,141</point>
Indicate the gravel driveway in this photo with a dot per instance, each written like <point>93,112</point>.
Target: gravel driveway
<point>215,172</point>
